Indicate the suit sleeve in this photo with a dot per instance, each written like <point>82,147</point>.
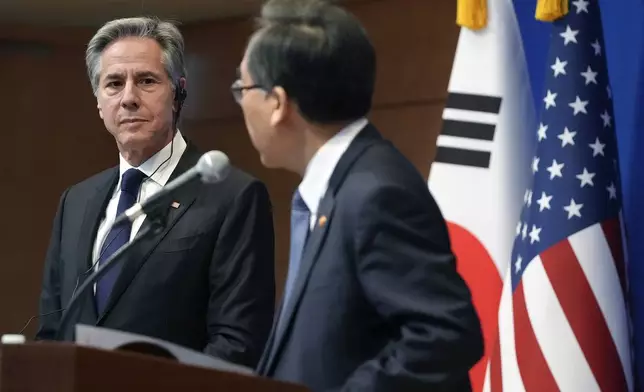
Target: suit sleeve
<point>409,275</point>
<point>50,303</point>
<point>242,280</point>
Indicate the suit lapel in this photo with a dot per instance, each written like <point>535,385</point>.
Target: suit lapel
<point>94,211</point>
<point>363,140</point>
<point>140,253</point>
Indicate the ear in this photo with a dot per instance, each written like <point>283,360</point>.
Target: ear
<point>182,87</point>
<point>282,106</point>
<point>100,110</point>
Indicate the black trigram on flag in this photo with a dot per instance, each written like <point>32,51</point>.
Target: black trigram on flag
<point>469,123</point>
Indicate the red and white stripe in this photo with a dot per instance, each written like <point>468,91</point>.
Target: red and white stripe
<point>565,327</point>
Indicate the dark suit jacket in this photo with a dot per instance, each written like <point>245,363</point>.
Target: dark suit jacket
<point>206,282</point>
<point>378,304</point>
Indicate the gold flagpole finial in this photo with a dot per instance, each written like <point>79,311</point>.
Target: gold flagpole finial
<point>551,10</point>
<point>471,13</point>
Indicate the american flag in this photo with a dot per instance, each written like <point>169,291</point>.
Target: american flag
<point>563,323</point>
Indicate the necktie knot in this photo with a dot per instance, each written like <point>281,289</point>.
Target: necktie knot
<point>298,204</point>
<point>131,181</point>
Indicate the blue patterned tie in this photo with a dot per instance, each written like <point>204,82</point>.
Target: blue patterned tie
<point>118,235</point>
<point>300,223</point>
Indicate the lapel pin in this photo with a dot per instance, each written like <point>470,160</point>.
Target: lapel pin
<point>175,204</point>
<point>322,221</point>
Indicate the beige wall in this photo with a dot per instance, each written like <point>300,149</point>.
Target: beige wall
<point>53,136</point>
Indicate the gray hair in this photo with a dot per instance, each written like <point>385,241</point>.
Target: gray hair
<point>165,33</point>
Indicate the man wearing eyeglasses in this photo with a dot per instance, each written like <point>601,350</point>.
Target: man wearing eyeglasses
<point>373,300</point>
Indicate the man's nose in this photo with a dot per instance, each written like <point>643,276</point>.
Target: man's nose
<point>131,97</point>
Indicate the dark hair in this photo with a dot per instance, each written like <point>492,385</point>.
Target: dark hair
<point>319,53</point>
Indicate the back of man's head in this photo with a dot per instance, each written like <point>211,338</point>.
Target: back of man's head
<point>319,54</point>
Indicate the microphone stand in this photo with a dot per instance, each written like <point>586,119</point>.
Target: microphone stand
<point>157,224</point>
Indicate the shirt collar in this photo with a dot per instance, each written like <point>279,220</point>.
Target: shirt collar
<point>320,168</point>
<point>159,166</point>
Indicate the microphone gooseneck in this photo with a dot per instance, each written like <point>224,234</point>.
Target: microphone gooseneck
<point>37,316</point>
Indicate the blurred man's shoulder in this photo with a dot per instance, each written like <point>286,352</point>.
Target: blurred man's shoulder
<point>237,182</point>
<point>95,181</point>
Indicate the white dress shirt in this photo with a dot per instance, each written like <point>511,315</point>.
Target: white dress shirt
<point>150,185</point>
<point>320,168</point>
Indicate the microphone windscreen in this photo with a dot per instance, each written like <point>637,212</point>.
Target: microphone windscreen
<point>213,166</point>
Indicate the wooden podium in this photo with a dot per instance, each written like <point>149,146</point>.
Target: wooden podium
<point>65,367</point>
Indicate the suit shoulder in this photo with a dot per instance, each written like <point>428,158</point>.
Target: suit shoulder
<point>238,182</point>
<point>239,179</point>
<point>383,176</point>
<point>384,165</point>
<point>383,173</point>
<point>93,182</point>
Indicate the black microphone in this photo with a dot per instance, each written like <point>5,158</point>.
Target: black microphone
<point>212,167</point>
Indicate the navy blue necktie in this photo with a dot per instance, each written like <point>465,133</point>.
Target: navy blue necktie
<point>118,235</point>
<point>300,224</point>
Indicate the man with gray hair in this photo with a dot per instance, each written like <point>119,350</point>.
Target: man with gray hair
<point>207,280</point>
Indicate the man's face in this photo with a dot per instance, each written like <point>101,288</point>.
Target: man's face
<point>135,96</point>
<point>266,116</point>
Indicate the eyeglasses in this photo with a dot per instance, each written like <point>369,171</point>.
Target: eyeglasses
<point>238,88</point>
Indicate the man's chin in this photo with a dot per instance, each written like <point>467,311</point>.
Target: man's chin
<point>132,127</point>
<point>131,139</point>
<point>270,163</point>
